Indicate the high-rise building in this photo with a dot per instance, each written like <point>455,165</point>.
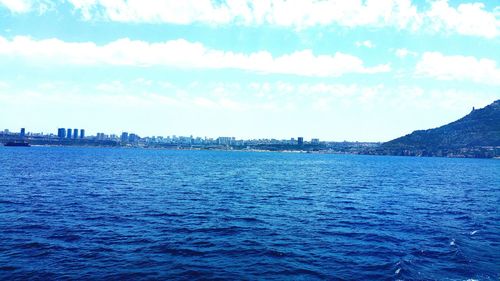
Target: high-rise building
<point>300,140</point>
<point>124,137</point>
<point>75,133</point>
<point>315,141</point>
<point>133,138</point>
<point>82,133</point>
<point>22,133</point>
<point>68,133</point>
<point>61,133</point>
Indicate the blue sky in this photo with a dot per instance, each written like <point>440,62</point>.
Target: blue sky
<point>336,70</point>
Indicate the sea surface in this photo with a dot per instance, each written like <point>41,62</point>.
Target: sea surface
<point>136,214</point>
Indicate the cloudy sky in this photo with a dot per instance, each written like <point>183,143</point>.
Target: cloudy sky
<point>334,69</point>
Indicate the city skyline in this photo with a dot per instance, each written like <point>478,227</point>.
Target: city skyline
<point>76,134</point>
<point>333,70</point>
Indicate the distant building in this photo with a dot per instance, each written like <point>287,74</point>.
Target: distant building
<point>61,133</point>
<point>314,141</point>
<point>82,133</point>
<point>133,138</point>
<point>225,140</point>
<point>300,141</point>
<point>75,133</point>
<point>22,133</point>
<point>124,137</point>
<point>68,133</point>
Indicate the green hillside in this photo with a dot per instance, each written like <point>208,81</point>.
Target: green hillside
<point>478,131</point>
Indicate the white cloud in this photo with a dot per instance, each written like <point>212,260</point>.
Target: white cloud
<point>3,85</point>
<point>112,87</point>
<point>328,96</point>
<point>183,54</point>
<point>25,6</point>
<point>331,90</point>
<point>298,14</point>
<point>403,52</point>
<point>142,82</point>
<point>367,43</point>
<point>466,18</point>
<point>441,67</point>
<point>16,6</point>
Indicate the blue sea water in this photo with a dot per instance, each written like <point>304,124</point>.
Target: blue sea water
<point>133,214</point>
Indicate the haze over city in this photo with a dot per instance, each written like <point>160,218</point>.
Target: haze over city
<point>371,71</point>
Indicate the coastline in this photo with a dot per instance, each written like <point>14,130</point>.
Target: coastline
<point>295,151</point>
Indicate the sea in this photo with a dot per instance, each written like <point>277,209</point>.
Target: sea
<point>69,213</point>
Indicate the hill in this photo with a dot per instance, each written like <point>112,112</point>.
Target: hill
<point>475,135</point>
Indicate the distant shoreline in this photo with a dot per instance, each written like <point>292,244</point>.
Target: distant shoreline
<point>324,152</point>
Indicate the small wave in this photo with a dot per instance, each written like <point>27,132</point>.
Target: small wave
<point>32,245</point>
<point>169,249</point>
<point>204,244</point>
<point>474,232</point>
<point>163,214</point>
<point>294,273</point>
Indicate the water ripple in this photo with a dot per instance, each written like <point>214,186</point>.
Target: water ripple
<point>126,214</point>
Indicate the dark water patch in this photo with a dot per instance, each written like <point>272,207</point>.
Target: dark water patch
<point>8,268</point>
<point>66,237</point>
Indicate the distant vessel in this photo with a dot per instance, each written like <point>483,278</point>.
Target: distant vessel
<point>17,143</point>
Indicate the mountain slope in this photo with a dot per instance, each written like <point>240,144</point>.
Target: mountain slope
<point>479,129</point>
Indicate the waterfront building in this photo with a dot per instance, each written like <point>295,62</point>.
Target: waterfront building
<point>300,140</point>
<point>75,133</point>
<point>22,133</point>
<point>82,133</point>
<point>224,140</point>
<point>314,141</point>
<point>68,133</point>
<point>133,138</point>
<point>61,133</point>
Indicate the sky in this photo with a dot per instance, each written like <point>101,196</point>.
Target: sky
<point>336,70</point>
